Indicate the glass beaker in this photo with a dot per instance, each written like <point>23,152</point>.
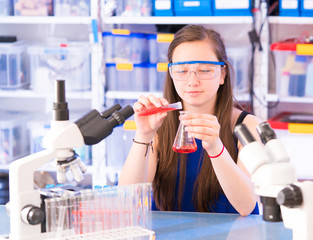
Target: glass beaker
<point>184,142</point>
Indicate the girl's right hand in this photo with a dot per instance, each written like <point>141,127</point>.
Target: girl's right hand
<point>148,125</point>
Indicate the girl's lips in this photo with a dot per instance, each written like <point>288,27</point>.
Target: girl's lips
<point>193,93</point>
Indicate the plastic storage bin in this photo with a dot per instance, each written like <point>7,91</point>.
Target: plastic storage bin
<point>71,7</point>
<point>33,7</point>
<point>70,62</point>
<point>121,45</point>
<point>163,8</point>
<point>232,7</point>
<point>306,8</point>
<point>192,8</point>
<point>6,7</point>
<point>134,8</point>
<point>289,8</point>
<point>158,46</point>
<point>127,77</point>
<point>14,137</point>
<point>294,69</point>
<point>239,57</point>
<point>157,75</point>
<point>13,65</point>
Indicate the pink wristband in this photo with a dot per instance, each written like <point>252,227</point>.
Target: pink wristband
<point>218,154</point>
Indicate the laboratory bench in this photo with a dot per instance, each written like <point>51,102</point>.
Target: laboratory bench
<point>196,226</point>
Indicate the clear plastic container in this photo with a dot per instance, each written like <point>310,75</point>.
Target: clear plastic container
<point>134,8</point>
<point>13,65</point>
<point>121,45</point>
<point>69,62</point>
<point>127,77</point>
<point>71,7</point>
<point>158,46</point>
<point>14,136</point>
<point>293,64</point>
<point>33,8</point>
<point>6,7</point>
<point>239,57</point>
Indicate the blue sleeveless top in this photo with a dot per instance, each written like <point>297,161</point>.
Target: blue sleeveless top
<point>194,162</point>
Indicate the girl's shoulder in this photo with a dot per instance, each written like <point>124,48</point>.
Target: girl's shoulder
<point>240,116</point>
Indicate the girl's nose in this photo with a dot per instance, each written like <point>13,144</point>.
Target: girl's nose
<point>193,78</point>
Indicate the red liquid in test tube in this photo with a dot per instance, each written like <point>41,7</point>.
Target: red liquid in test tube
<point>151,111</point>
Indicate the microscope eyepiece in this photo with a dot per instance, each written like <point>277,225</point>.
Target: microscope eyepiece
<point>243,134</point>
<point>266,132</point>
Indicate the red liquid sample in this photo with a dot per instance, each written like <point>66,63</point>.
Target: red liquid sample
<point>187,149</point>
<point>151,111</point>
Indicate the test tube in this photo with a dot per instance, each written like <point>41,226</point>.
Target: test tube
<point>51,212</point>
<point>98,203</point>
<point>86,210</point>
<point>62,217</point>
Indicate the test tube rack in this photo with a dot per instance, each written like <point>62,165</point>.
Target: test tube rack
<point>114,212</point>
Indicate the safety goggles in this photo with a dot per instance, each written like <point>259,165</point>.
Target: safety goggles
<point>204,70</point>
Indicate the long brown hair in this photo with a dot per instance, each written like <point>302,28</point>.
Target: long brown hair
<point>207,187</point>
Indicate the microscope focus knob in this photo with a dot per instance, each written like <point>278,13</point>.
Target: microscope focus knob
<point>33,215</point>
<point>290,196</point>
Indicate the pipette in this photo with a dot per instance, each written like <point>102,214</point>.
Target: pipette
<point>155,110</point>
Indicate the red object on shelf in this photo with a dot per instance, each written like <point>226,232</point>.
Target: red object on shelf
<point>276,123</point>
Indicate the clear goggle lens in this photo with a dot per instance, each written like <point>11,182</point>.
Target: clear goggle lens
<point>203,71</point>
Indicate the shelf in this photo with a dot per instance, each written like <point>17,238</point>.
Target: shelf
<point>35,94</point>
<point>177,20</point>
<point>44,20</point>
<point>274,98</point>
<point>135,95</point>
<point>291,20</point>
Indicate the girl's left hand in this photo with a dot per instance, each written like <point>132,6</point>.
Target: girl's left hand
<point>206,128</point>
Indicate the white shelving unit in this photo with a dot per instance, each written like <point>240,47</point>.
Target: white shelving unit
<point>38,28</point>
<point>281,29</point>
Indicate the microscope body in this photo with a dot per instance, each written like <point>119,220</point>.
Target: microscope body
<point>299,218</point>
<point>26,212</point>
<point>274,177</point>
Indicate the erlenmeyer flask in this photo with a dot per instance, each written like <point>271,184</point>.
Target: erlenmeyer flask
<point>183,142</point>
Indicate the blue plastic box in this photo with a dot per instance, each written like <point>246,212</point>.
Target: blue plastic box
<point>289,8</point>
<point>192,8</point>
<point>158,46</point>
<point>6,8</point>
<point>232,7</point>
<point>121,45</point>
<point>163,8</point>
<point>157,75</point>
<point>306,8</point>
<point>127,77</point>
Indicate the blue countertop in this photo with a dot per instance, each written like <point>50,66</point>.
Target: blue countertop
<point>196,226</point>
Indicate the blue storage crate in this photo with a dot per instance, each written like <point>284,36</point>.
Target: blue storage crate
<point>232,7</point>
<point>289,8</point>
<point>192,8</point>
<point>163,8</point>
<point>306,8</point>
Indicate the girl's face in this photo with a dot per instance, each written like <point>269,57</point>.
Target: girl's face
<point>193,91</point>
